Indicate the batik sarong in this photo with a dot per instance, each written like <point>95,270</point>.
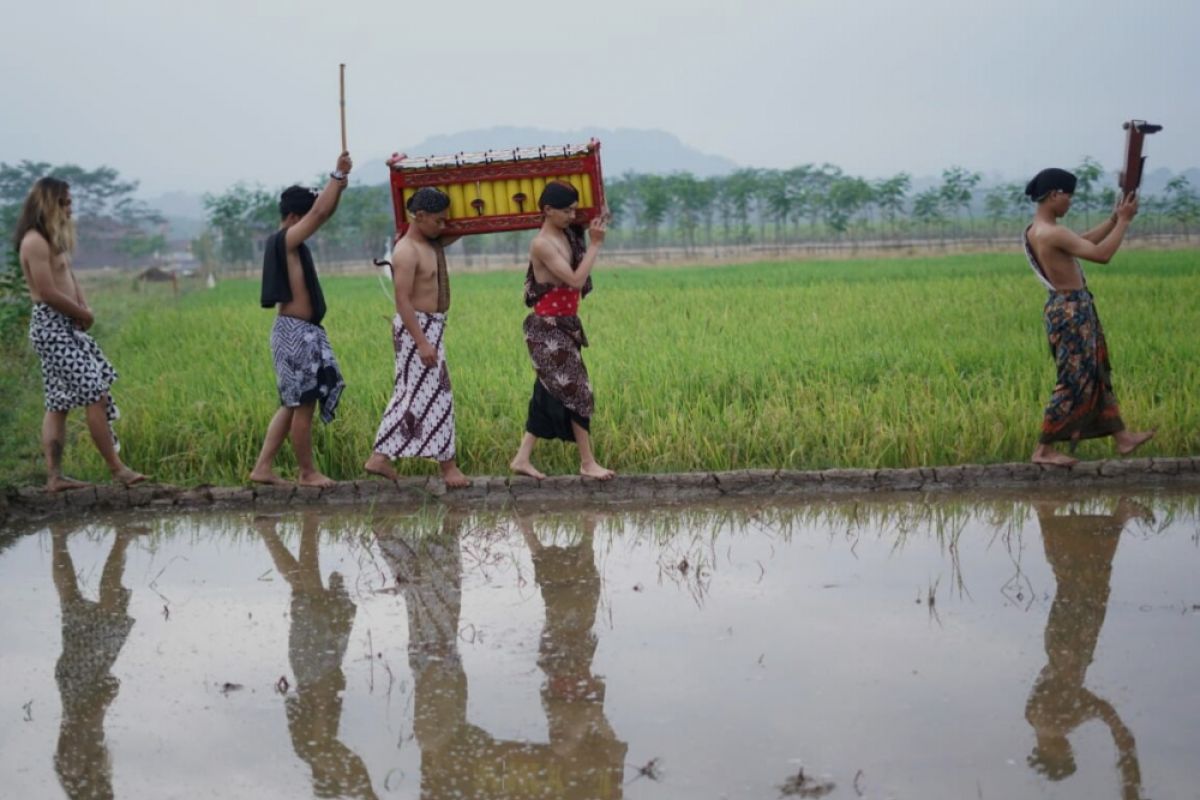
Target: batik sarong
<point>75,372</point>
<point>562,393</point>
<point>419,420</point>
<point>1083,405</point>
<point>305,368</point>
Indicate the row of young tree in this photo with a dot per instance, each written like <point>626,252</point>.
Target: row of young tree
<point>748,207</point>
<point>823,204</point>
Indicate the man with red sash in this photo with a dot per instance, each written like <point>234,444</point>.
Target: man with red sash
<point>559,276</point>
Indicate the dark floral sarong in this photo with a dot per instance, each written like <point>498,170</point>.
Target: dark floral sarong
<point>562,393</point>
<point>1083,405</point>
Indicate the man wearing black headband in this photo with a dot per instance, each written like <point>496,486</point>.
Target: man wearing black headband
<point>419,420</point>
<point>1083,405</point>
<point>306,372</point>
<point>559,276</point>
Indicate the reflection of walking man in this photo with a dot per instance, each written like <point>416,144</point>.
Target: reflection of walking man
<point>1080,549</point>
<point>93,633</point>
<point>459,759</point>
<point>320,632</point>
<point>572,696</point>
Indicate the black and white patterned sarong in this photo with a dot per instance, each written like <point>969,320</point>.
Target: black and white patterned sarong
<point>75,373</point>
<point>419,420</point>
<point>305,368</point>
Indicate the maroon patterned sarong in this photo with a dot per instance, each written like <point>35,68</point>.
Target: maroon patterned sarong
<point>1083,405</point>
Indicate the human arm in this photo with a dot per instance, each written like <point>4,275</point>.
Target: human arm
<point>404,268</point>
<point>552,258</point>
<point>1102,251</point>
<point>324,206</point>
<point>1097,234</point>
<point>36,253</point>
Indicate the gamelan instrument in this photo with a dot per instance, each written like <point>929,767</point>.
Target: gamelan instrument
<point>1136,131</point>
<point>498,190</point>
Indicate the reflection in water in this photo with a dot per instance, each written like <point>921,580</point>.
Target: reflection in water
<point>572,697</point>
<point>583,758</point>
<point>1080,549</point>
<point>321,620</point>
<point>93,634</point>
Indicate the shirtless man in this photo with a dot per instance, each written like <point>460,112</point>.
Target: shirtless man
<point>558,277</point>
<point>419,420</point>
<point>75,372</point>
<point>306,371</point>
<point>1083,405</point>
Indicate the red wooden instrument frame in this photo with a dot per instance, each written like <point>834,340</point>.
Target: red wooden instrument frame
<point>502,169</point>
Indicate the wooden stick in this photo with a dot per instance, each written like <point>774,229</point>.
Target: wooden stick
<point>342,101</point>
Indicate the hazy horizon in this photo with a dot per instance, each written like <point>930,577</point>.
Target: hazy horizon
<point>193,99</point>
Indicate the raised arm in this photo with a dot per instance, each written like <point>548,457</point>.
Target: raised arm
<point>1100,252</point>
<point>38,258</point>
<point>404,267</point>
<point>324,206</point>
<point>1097,234</point>
<point>548,255</point>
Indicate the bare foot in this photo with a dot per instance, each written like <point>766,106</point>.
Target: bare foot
<point>594,470</point>
<point>1045,454</point>
<point>127,477</point>
<point>316,479</point>
<point>381,465</point>
<point>453,477</point>
<point>268,477</point>
<point>62,483</point>
<point>524,467</point>
<point>1128,442</point>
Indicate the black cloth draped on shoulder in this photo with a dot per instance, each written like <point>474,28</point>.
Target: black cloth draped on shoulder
<point>275,286</point>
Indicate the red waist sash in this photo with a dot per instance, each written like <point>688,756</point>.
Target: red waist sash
<point>561,301</point>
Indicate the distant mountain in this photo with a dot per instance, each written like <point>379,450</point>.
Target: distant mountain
<point>622,149</point>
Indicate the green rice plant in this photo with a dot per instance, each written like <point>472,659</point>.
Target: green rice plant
<point>872,363</point>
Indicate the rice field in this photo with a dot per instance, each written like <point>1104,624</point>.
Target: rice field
<point>884,363</point>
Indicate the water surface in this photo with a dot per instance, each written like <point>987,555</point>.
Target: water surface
<point>1002,646</point>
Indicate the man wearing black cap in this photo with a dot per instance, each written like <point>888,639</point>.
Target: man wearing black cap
<point>306,371</point>
<point>1083,405</point>
<point>419,420</point>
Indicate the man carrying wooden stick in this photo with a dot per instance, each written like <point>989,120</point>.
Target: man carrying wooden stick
<point>1083,405</point>
<point>306,371</point>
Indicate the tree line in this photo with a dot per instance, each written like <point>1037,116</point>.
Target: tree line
<point>747,207</point>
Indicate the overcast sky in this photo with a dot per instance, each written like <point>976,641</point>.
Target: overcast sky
<point>196,96</point>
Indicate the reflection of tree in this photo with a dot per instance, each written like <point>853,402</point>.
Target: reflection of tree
<point>93,634</point>
<point>321,620</point>
<point>1080,549</point>
<point>459,759</point>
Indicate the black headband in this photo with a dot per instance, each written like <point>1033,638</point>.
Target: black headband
<point>1049,180</point>
<point>428,199</point>
<point>558,195</point>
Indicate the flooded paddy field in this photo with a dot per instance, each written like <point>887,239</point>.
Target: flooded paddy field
<point>959,646</point>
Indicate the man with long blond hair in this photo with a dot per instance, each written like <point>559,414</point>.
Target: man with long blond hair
<point>75,372</point>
